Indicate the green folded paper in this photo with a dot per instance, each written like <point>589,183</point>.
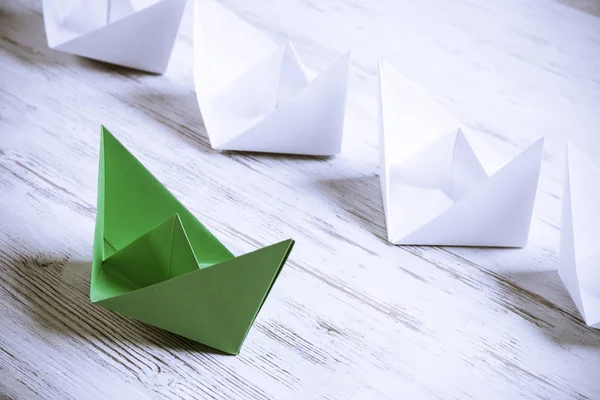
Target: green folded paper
<point>153,260</point>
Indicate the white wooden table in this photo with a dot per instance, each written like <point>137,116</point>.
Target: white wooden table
<point>351,316</point>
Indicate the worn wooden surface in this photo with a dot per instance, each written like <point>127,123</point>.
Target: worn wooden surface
<point>351,316</point>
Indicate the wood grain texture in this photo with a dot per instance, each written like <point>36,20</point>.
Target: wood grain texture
<point>351,316</point>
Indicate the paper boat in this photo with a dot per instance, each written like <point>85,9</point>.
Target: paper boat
<point>138,34</point>
<point>255,95</point>
<point>153,260</point>
<point>435,189</point>
<point>579,234</point>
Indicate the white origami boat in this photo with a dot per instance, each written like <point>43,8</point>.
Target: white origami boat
<point>580,235</point>
<point>255,95</point>
<point>138,34</point>
<point>435,189</point>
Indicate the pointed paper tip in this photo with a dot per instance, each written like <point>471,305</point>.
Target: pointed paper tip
<point>178,225</point>
<point>537,146</point>
<point>535,151</point>
<point>338,68</point>
<point>289,46</point>
<point>178,222</point>
<point>385,66</point>
<point>346,59</point>
<point>395,77</point>
<point>567,150</point>
<point>568,146</point>
<point>571,150</point>
<point>290,51</point>
<point>104,133</point>
<point>344,62</point>
<point>461,133</point>
<point>348,55</point>
<point>288,245</point>
<point>174,218</point>
<point>107,137</point>
<point>288,242</point>
<point>382,66</point>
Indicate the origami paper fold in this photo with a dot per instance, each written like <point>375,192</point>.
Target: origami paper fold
<point>579,233</point>
<point>435,189</point>
<point>133,33</point>
<point>153,261</point>
<point>255,95</point>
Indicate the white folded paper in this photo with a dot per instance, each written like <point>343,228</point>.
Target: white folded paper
<point>133,33</point>
<point>255,95</point>
<point>580,235</point>
<point>435,189</point>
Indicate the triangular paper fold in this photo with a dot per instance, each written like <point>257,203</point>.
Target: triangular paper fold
<point>255,96</point>
<point>435,189</point>
<point>115,31</point>
<point>579,233</point>
<point>155,262</point>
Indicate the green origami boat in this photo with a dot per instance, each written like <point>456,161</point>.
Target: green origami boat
<point>153,260</point>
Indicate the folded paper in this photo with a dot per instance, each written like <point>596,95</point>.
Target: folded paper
<point>153,261</point>
<point>579,233</point>
<point>138,34</point>
<point>255,95</point>
<point>435,189</point>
